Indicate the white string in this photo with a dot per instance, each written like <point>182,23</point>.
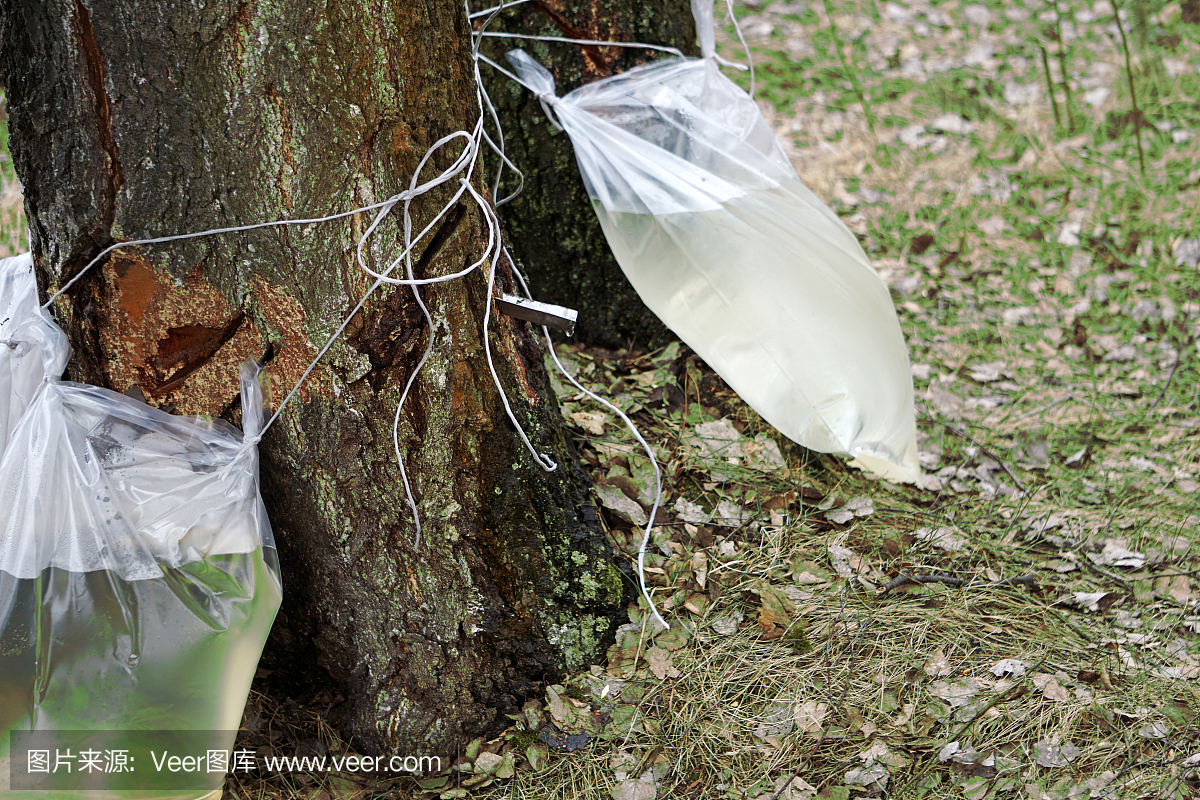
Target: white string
<point>547,99</point>
<point>639,45</point>
<point>749,58</point>
<point>543,460</point>
<point>211,232</point>
<point>496,9</point>
<point>637,435</point>
<point>465,162</point>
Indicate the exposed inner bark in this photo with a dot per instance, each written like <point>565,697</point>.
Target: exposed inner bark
<point>132,119</point>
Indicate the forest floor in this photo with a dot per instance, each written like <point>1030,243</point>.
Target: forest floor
<point>1040,231</point>
<point>1024,625</point>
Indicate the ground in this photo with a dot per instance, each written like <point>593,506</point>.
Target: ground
<point>1026,177</point>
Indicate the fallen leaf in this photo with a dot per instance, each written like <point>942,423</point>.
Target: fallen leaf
<point>776,611</point>
<point>763,454</point>
<point>719,439</point>
<point>856,507</point>
<point>730,514</point>
<point>569,714</point>
<point>1177,586</point>
<point>493,764</point>
<point>958,693</point>
<point>697,603</point>
<point>1186,666</point>
<point>532,711</point>
<point>948,539</point>
<point>538,756</point>
<point>794,789</point>
<point>952,123</point>
<point>1050,754</point>
<point>870,774</point>
<point>620,503</point>
<point>809,716</point>
<point>1010,666</point>
<point>673,639</point>
<point>591,421</point>
<point>1051,688</point>
<point>960,753</point>
<point>631,789</point>
<point>840,557</point>
<point>989,372</point>
<point>834,793</point>
<point>776,723</point>
<point>880,753</point>
<point>690,512</point>
<point>1155,730</point>
<point>1115,554</point>
<point>1077,458</point>
<point>938,666</point>
<point>700,568</point>
<point>727,623</point>
<point>1087,601</point>
<point>622,661</point>
<point>622,762</point>
<point>660,663</point>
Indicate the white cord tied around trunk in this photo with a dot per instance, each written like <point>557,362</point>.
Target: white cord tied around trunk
<point>461,169</point>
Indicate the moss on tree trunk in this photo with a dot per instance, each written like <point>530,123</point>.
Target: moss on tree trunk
<point>141,118</point>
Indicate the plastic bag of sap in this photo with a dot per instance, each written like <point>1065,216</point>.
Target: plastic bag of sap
<point>138,581</point>
<point>719,237</point>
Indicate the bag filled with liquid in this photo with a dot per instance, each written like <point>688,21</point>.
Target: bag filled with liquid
<point>138,574</point>
<point>722,241</point>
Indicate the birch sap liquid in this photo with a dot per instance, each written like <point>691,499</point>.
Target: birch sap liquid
<point>92,652</point>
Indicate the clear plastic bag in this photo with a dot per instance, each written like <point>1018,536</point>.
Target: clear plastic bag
<point>721,240</point>
<point>138,573</point>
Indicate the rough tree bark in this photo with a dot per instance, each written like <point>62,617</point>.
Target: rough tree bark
<point>574,266</point>
<point>140,118</point>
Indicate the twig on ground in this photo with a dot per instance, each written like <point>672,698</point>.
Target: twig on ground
<point>1062,66</point>
<point>1112,576</point>
<point>987,452</point>
<point>1050,84</point>
<point>908,580</point>
<point>1137,112</point>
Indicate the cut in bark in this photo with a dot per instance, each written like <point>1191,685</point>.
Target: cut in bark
<point>139,118</point>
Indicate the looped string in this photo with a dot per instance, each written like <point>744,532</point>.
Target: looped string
<point>462,168</point>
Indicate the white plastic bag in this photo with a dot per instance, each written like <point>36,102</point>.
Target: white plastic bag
<point>138,573</point>
<point>721,240</point>
<point>31,346</point>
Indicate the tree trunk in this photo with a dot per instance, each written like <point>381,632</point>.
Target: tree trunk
<point>140,118</point>
<point>555,234</point>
